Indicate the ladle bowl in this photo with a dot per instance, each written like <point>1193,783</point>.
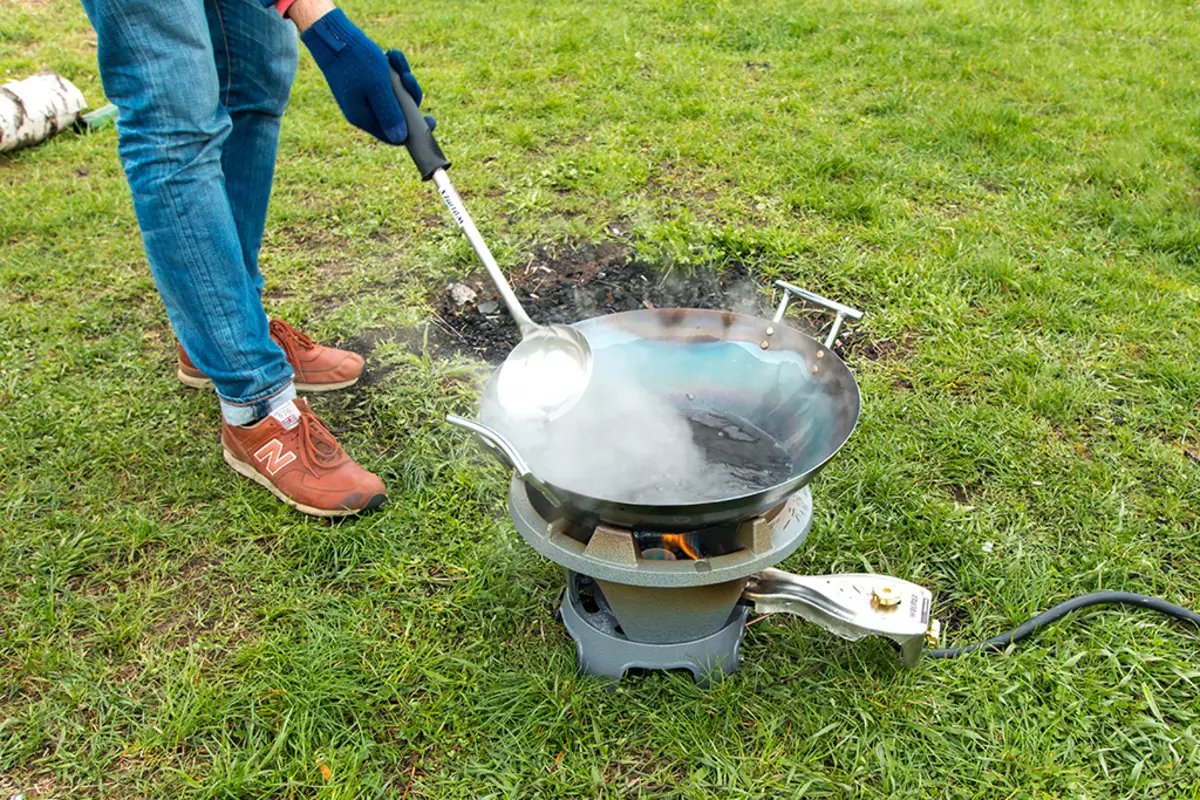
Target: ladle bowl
<point>546,374</point>
<point>548,371</point>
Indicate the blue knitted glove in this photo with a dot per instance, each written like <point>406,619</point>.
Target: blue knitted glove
<point>359,75</point>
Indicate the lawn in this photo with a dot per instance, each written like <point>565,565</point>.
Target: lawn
<point>1011,191</point>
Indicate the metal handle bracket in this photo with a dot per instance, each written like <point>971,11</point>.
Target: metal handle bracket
<point>840,309</point>
<point>851,606</point>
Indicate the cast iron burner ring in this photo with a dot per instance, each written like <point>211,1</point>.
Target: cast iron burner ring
<point>605,552</point>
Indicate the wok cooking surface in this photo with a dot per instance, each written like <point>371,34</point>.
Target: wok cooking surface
<point>687,410</point>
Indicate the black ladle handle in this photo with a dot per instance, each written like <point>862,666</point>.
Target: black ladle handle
<point>423,148</point>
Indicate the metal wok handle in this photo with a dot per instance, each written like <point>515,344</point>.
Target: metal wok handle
<point>503,449</point>
<point>842,311</point>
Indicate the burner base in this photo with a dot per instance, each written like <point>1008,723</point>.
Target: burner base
<point>604,649</point>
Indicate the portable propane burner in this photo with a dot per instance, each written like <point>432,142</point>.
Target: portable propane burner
<point>680,600</point>
<point>653,584</point>
<point>663,584</point>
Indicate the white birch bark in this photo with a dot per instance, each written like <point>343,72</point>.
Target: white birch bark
<point>36,108</point>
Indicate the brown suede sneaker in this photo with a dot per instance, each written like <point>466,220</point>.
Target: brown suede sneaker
<point>293,454</point>
<point>318,368</point>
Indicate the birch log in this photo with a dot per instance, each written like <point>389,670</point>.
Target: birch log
<point>36,108</point>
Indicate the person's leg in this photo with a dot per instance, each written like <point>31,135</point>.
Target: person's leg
<point>157,65</point>
<point>256,54</point>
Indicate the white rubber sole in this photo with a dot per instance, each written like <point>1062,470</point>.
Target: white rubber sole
<point>325,387</point>
<point>242,468</point>
<point>314,388</point>
<point>195,383</point>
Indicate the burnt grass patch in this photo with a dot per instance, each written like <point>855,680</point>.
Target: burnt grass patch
<point>572,282</point>
<point>568,284</point>
<point>962,493</point>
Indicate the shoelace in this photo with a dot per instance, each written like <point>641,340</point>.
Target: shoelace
<point>319,442</point>
<point>287,335</point>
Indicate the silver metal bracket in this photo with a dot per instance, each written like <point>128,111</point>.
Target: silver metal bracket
<point>841,310</point>
<point>852,606</point>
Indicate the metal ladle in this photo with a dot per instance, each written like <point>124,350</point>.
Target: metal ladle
<point>548,371</point>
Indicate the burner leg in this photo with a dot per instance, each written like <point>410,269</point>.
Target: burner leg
<point>603,649</point>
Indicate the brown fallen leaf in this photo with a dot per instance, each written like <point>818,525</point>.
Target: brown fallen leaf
<point>326,772</point>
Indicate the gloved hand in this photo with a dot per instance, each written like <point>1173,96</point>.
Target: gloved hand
<point>359,75</point>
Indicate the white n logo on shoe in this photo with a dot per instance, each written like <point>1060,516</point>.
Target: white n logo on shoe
<point>273,455</point>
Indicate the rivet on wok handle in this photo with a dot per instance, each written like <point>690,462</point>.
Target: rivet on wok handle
<point>841,310</point>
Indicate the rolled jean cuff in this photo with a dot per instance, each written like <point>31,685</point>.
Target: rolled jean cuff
<point>249,413</point>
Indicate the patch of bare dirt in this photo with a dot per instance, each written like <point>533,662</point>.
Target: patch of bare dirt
<point>569,282</point>
<point>961,493</point>
<point>34,787</point>
<point>857,344</point>
<point>952,616</point>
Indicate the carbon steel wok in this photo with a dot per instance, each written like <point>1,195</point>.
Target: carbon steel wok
<point>784,383</point>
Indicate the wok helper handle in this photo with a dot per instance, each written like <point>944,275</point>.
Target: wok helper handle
<point>841,310</point>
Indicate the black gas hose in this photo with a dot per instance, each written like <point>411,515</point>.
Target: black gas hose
<point>997,644</point>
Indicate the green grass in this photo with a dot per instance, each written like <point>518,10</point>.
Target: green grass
<point>1012,189</point>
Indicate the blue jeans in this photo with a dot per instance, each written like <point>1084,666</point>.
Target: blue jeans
<point>201,86</point>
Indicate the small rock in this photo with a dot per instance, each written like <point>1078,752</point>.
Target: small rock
<point>989,547</point>
<point>462,294</point>
<point>488,307</point>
